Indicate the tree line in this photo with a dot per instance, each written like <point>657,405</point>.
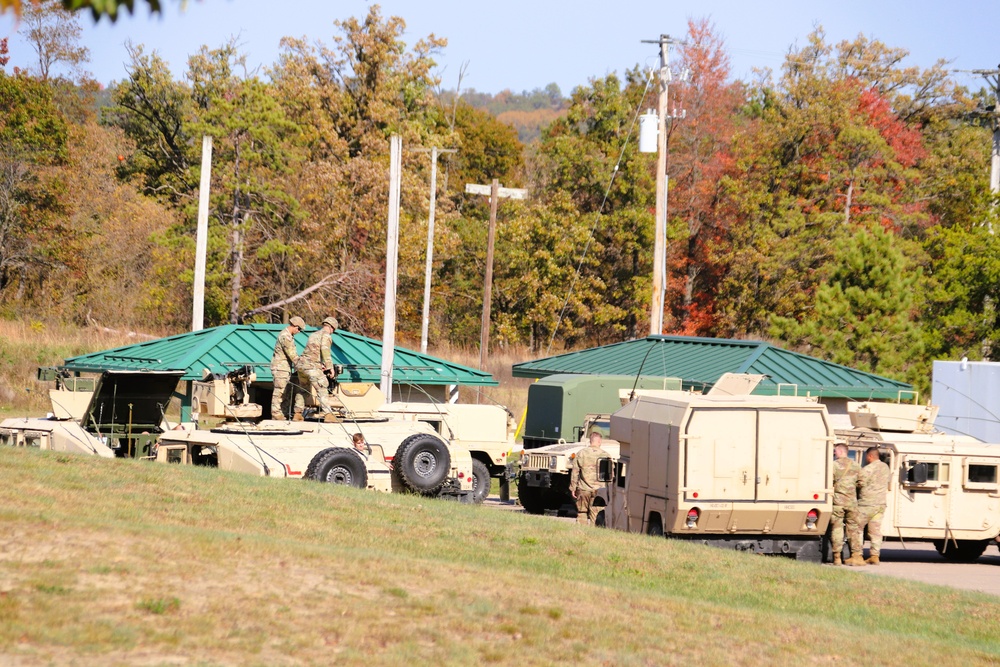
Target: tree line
<point>839,206</point>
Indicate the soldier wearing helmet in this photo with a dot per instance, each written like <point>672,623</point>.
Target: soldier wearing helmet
<point>282,362</point>
<point>316,362</point>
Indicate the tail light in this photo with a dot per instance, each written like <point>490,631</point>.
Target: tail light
<point>461,475</point>
<point>811,518</point>
<point>692,520</point>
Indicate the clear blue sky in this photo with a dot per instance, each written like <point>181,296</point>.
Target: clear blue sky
<point>522,45</point>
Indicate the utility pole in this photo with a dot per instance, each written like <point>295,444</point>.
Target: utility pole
<point>495,192</point>
<point>425,322</point>
<point>660,228</point>
<point>391,261</point>
<point>201,236</point>
<point>993,77</point>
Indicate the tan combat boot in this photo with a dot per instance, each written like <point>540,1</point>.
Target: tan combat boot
<point>872,560</point>
<point>297,417</point>
<point>837,560</point>
<point>855,560</point>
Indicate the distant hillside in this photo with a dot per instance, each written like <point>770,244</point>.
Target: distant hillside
<point>527,112</point>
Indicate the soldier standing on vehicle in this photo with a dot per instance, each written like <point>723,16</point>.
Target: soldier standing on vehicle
<point>316,362</point>
<point>583,482</point>
<point>282,362</point>
<point>845,498</point>
<point>873,484</point>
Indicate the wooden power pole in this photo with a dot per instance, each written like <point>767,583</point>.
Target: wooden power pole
<point>495,192</point>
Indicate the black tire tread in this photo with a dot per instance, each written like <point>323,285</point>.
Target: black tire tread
<point>401,462</point>
<point>480,475</point>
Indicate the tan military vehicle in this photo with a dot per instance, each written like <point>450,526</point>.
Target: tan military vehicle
<point>943,488</point>
<point>543,480</point>
<point>321,449</point>
<point>485,431</point>
<point>118,414</point>
<point>751,473</point>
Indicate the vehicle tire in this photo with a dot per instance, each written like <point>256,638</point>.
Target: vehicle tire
<point>531,497</point>
<point>480,481</point>
<point>342,466</point>
<point>965,551</point>
<point>601,521</point>
<point>655,528</point>
<point>310,472</point>
<point>423,461</point>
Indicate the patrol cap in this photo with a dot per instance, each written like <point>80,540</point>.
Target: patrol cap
<point>332,321</point>
<point>297,322</point>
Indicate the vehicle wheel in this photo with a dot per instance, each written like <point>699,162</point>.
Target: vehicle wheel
<point>601,521</point>
<point>423,461</point>
<point>342,466</point>
<point>965,551</point>
<point>655,526</point>
<point>480,481</point>
<point>310,472</point>
<point>531,497</point>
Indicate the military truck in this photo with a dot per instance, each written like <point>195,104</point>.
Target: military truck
<point>117,414</point>
<point>727,469</point>
<point>486,431</point>
<point>558,404</point>
<point>943,488</point>
<point>422,461</point>
<point>544,476</point>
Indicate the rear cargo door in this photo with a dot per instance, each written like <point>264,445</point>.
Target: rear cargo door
<point>720,454</point>
<point>792,455</point>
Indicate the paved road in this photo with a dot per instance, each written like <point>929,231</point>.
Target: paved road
<point>917,561</point>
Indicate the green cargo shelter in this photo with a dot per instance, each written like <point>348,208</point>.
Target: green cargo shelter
<point>220,350</point>
<point>700,362</point>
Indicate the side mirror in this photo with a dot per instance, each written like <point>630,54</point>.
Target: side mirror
<point>605,470</point>
<point>917,474</point>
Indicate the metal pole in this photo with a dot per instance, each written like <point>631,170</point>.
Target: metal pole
<point>425,321</point>
<point>391,259</point>
<point>201,236</point>
<point>484,336</point>
<point>660,227</point>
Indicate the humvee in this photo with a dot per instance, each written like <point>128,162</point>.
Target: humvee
<point>943,489</point>
<point>727,469</point>
<point>420,459</point>
<point>117,414</point>
<point>543,480</point>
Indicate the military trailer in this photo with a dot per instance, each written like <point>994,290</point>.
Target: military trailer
<point>544,475</point>
<point>558,404</point>
<point>943,488</point>
<point>751,473</point>
<point>117,414</point>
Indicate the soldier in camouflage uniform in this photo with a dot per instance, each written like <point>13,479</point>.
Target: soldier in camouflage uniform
<point>583,482</point>
<point>873,484</point>
<point>845,498</point>
<point>316,362</point>
<point>282,363</point>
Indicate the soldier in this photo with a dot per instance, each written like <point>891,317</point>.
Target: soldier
<point>316,362</point>
<point>583,482</point>
<point>845,497</point>
<point>282,363</point>
<point>873,482</point>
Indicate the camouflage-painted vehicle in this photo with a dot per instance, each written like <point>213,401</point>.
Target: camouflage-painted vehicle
<point>543,480</point>
<point>118,414</point>
<point>944,488</point>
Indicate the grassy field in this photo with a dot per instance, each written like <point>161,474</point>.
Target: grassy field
<point>128,563</point>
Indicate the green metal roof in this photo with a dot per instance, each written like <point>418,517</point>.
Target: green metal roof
<point>699,362</point>
<point>222,349</point>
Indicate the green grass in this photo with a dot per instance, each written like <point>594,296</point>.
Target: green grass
<point>121,562</point>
